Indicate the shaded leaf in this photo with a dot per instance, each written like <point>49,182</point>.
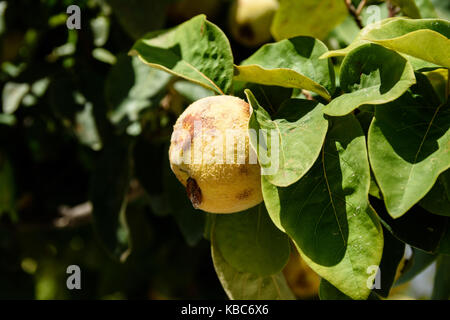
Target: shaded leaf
<point>196,50</point>
<point>292,143</point>
<point>327,213</point>
<point>242,285</point>
<point>329,292</point>
<point>444,245</point>
<point>371,74</point>
<point>292,63</point>
<point>441,288</point>
<point>418,228</point>
<point>411,136</point>
<point>306,17</point>
<point>249,242</point>
<point>138,17</point>
<point>437,201</point>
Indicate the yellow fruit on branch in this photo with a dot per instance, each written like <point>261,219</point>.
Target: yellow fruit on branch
<point>211,156</point>
<point>250,21</point>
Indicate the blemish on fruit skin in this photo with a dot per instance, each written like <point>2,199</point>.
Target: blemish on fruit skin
<point>194,192</point>
<point>244,194</point>
<point>243,170</point>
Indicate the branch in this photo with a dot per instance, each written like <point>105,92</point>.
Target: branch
<point>393,10</point>
<point>355,12</point>
<point>75,216</point>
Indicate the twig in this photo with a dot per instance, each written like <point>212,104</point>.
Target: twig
<point>75,216</point>
<point>308,95</point>
<point>354,12</point>
<point>392,9</point>
<point>361,6</point>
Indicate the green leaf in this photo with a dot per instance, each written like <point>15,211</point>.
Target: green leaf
<point>196,50</point>
<point>403,35</point>
<point>371,74</point>
<point>307,17</point>
<point>243,285</point>
<point>437,201</point>
<point>393,253</point>
<point>131,88</point>
<point>291,63</point>
<point>439,81</point>
<point>411,136</point>
<point>418,228</point>
<point>293,141</point>
<point>327,213</point>
<point>441,288</point>
<point>249,242</point>
<point>108,194</point>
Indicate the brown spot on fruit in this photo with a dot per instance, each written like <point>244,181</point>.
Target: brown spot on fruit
<point>194,192</point>
<point>243,170</point>
<point>244,194</point>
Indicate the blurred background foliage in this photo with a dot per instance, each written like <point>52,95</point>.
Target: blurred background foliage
<point>84,132</point>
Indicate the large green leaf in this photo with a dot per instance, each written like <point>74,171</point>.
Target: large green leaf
<point>293,141</point>
<point>243,285</point>
<point>404,35</point>
<point>292,63</point>
<point>408,148</point>
<point>308,18</point>
<point>196,50</point>
<point>327,213</point>
<point>109,187</point>
<point>418,228</point>
<point>371,74</point>
<point>437,201</point>
<point>131,88</point>
<point>249,242</point>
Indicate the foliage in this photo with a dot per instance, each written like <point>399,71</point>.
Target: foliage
<point>362,118</point>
